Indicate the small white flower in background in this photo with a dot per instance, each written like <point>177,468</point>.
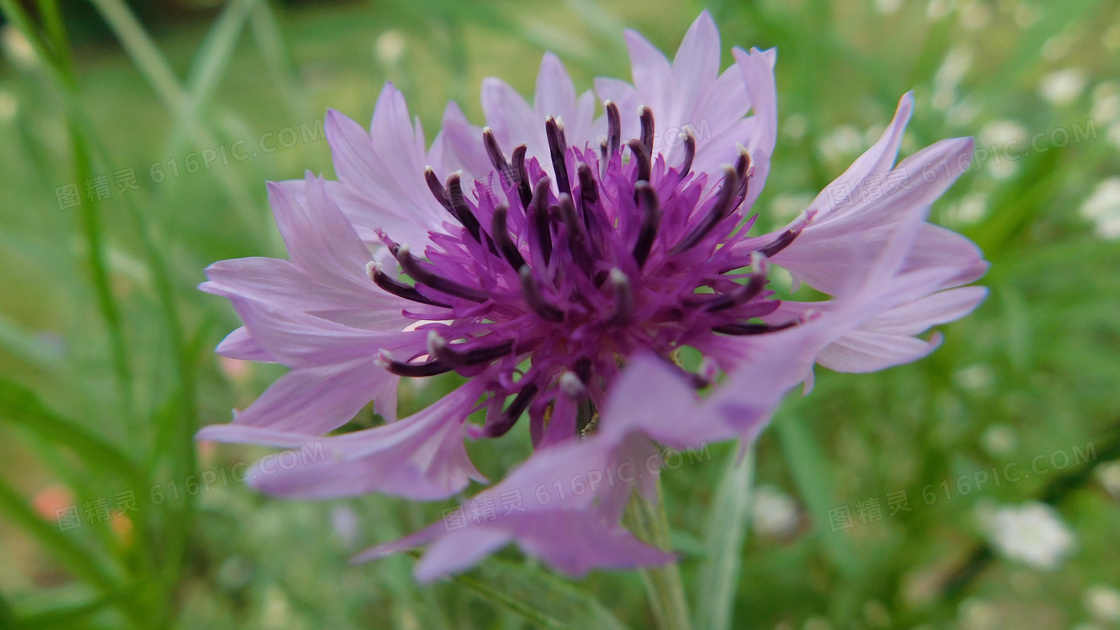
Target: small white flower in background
<point>1057,47</point>
<point>1103,208</point>
<point>1113,135</point>
<point>1006,139</point>
<point>1025,15</point>
<point>773,513</point>
<point>1062,87</point>
<point>795,126</point>
<point>845,141</point>
<point>938,9</point>
<point>786,207</point>
<point>975,376</point>
<point>1000,439</point>
<point>1003,134</point>
<point>1111,37</point>
<point>1032,533</point>
<point>817,623</point>
<point>886,7</point>
<point>17,48</point>
<point>9,106</point>
<point>1106,102</point>
<point>1109,476</point>
<point>979,614</point>
<point>975,16</point>
<point>1103,602</point>
<point>949,75</point>
<point>345,523</point>
<point>968,211</point>
<point>390,47</point>
<point>963,113</point>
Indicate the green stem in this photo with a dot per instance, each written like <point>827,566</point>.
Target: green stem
<point>648,521</point>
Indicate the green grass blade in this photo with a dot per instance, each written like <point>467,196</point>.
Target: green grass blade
<point>724,534</point>
<point>23,408</point>
<point>209,66</point>
<point>540,597</point>
<point>20,343</point>
<point>64,616</point>
<point>810,469</point>
<point>270,40</point>
<point>7,617</point>
<point>143,51</point>
<point>76,558</point>
<point>155,68</point>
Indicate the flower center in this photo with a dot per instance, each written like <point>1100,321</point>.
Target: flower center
<point>540,287</point>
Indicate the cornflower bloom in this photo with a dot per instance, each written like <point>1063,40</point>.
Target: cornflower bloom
<point>558,261</point>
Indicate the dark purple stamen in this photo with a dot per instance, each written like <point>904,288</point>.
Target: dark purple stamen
<point>651,220</point>
<point>641,156</point>
<point>588,189</point>
<point>749,328</point>
<point>438,191</point>
<point>513,412</point>
<point>742,168</point>
<point>538,214</point>
<point>781,242</point>
<point>535,299</point>
<point>414,370</point>
<point>412,267</point>
<point>524,189</point>
<point>453,355</point>
<point>558,148</point>
<point>725,204</point>
<point>497,158</point>
<point>499,230</point>
<point>614,128</point>
<point>459,207</point>
<point>400,289</point>
<point>623,298</point>
<point>577,237</point>
<point>582,368</point>
<point>689,151</point>
<point>743,293</point>
<point>646,135</point>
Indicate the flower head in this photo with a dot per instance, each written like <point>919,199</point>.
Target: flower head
<point>558,261</point>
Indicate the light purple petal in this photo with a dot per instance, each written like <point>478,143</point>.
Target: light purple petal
<point>317,400</point>
<point>300,340</point>
<point>240,345</point>
<point>694,72</point>
<point>421,457</point>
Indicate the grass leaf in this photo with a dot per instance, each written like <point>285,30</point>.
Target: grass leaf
<point>724,534</point>
<point>538,596</point>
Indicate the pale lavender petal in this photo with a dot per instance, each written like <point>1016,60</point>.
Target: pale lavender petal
<point>652,73</point>
<point>555,94</point>
<point>457,146</point>
<point>862,351</point>
<point>421,457</point>
<point>239,344</point>
<point>757,68</point>
<point>317,400</point>
<point>512,120</point>
<point>694,72</point>
<point>297,339</point>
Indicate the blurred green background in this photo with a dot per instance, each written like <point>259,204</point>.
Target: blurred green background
<point>111,516</point>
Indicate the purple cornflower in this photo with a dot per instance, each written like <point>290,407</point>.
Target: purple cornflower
<point>558,261</point>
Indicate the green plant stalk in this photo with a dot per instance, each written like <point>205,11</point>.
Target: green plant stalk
<point>90,209</point>
<point>183,456</point>
<point>77,559</point>
<point>648,521</point>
